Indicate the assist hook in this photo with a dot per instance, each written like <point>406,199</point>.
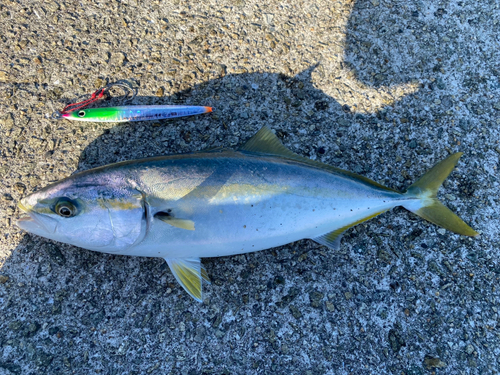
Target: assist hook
<point>129,90</point>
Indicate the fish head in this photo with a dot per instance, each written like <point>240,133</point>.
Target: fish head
<point>106,216</point>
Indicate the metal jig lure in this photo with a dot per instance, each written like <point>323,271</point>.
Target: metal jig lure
<point>79,112</point>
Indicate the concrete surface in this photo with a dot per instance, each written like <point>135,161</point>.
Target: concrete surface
<point>381,88</point>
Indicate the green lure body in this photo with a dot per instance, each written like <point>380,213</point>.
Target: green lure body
<point>135,113</point>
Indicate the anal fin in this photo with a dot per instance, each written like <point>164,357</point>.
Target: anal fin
<point>190,273</point>
<point>332,239</point>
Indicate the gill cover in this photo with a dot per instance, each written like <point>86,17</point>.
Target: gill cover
<point>93,217</point>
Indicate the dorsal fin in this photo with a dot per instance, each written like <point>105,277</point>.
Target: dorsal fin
<point>266,142</point>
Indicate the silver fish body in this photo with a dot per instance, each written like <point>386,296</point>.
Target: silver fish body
<point>241,202</point>
<point>186,207</point>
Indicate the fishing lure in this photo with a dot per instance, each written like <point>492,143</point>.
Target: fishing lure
<point>79,112</point>
<point>135,113</point>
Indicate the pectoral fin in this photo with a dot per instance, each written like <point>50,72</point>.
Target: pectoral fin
<point>190,273</point>
<point>178,223</point>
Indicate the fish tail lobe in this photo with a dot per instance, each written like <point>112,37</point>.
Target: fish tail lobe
<point>428,206</point>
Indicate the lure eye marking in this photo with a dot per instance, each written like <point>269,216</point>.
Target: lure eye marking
<point>81,113</point>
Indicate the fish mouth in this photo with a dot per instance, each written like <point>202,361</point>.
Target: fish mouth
<point>30,221</point>
<point>31,225</point>
<point>23,219</point>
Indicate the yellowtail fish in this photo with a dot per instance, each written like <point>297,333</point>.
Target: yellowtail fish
<point>217,203</point>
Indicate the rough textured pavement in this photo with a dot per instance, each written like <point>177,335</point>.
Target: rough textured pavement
<point>381,88</point>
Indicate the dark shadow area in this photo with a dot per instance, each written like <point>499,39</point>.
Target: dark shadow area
<point>395,43</point>
<point>387,47</point>
<point>242,104</point>
<point>308,121</point>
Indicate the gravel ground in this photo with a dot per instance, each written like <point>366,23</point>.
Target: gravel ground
<point>384,88</point>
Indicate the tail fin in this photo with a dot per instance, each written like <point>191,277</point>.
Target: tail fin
<point>429,207</point>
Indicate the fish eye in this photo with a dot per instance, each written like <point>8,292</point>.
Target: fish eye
<point>81,113</point>
<point>65,208</point>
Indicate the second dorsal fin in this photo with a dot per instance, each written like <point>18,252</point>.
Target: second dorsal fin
<point>266,142</point>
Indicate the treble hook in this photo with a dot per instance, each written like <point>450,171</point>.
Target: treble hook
<point>129,90</point>
<point>126,86</point>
